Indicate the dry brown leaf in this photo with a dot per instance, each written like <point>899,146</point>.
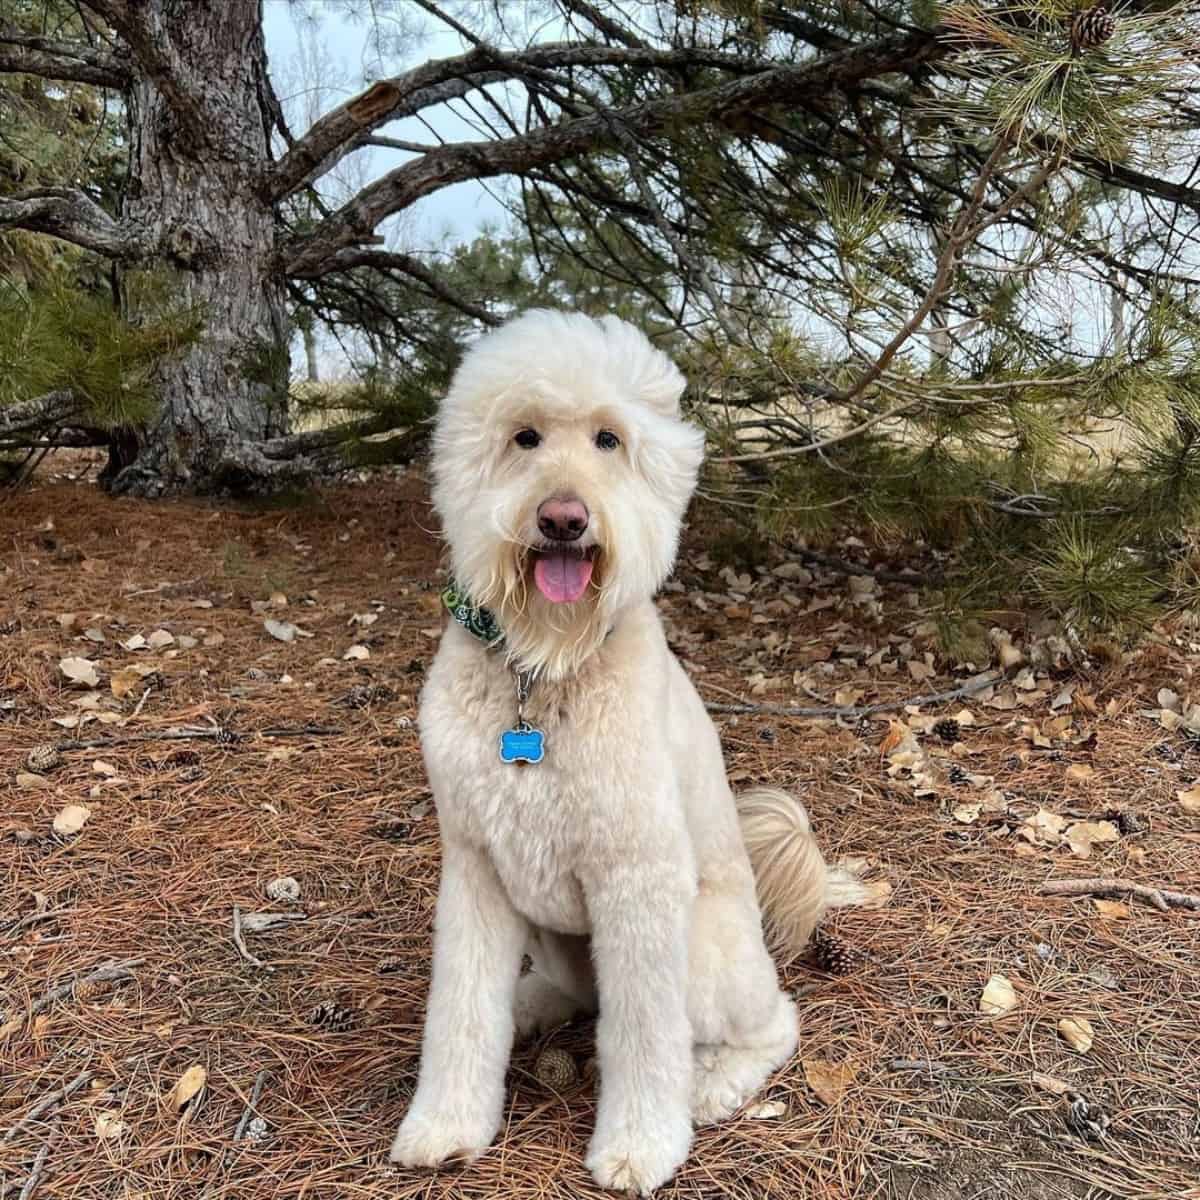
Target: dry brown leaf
<point>967,814</point>
<point>1079,773</point>
<point>109,1126</point>
<point>71,819</point>
<point>160,638</point>
<point>1083,835</point>
<point>1048,1083</point>
<point>897,732</point>
<point>1044,828</point>
<point>829,1080</point>
<point>998,997</point>
<point>80,670</point>
<point>29,782</point>
<point>100,767</point>
<point>190,1085</point>
<point>1189,799</point>
<point>1111,910</point>
<point>1077,1032</point>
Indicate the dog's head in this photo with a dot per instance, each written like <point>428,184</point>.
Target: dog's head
<point>562,469</point>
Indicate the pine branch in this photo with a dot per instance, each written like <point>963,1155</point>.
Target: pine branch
<point>68,61</point>
<point>436,82</point>
<point>71,215</point>
<point>355,221</point>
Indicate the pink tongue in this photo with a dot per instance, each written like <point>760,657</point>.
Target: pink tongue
<point>562,578</point>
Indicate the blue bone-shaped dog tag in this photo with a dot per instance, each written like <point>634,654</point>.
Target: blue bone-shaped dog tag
<point>523,744</point>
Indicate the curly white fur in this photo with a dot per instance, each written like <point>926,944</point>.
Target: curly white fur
<point>618,862</point>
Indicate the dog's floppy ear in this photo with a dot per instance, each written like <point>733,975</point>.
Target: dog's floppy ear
<point>650,375</point>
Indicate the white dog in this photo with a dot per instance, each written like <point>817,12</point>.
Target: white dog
<point>584,810</point>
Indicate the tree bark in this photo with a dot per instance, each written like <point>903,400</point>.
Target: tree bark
<point>199,144</point>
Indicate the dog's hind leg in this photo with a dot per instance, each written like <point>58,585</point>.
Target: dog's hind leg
<point>560,985</point>
<point>727,1074</point>
<point>743,1025</point>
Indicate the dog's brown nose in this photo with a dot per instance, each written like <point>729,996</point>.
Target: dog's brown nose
<point>562,520</point>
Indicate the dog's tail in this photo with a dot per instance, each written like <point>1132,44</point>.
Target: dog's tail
<point>795,886</point>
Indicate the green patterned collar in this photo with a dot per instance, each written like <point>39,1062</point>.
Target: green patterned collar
<point>477,621</point>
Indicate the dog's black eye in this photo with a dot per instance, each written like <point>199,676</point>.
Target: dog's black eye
<point>607,440</point>
<point>527,439</point>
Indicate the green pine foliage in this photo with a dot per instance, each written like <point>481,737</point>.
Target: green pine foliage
<point>58,337</point>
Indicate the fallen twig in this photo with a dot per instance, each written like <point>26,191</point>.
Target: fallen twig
<point>1161,898</point>
<point>252,1104</point>
<point>832,710</point>
<point>35,1172</point>
<point>46,1102</point>
<point>240,942</point>
<point>182,733</point>
<point>33,919</point>
<point>240,1130</point>
<point>111,972</point>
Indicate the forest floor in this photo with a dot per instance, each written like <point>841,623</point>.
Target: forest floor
<point>279,1068</point>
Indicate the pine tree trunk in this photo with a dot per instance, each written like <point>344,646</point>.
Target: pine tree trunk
<point>195,169</point>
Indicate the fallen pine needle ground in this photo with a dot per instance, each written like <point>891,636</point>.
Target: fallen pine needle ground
<point>169,1028</point>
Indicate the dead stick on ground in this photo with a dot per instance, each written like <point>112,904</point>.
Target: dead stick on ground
<point>869,710</point>
<point>1161,898</point>
<point>35,1172</point>
<point>46,1102</point>
<point>240,1131</point>
<point>33,918</point>
<point>112,972</point>
<point>240,942</point>
<point>252,1104</point>
<point>178,733</point>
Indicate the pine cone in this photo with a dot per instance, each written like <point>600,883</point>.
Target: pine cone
<point>43,758</point>
<point>1092,27</point>
<point>947,729</point>
<point>284,890</point>
<point>555,1069</point>
<point>89,989</point>
<point>1127,820</point>
<point>831,954</point>
<point>331,1015</point>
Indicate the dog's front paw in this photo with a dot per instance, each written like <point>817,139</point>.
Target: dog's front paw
<point>429,1141</point>
<point>642,1160</point>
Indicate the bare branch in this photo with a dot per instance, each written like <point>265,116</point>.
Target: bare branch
<point>343,129</point>
<point>77,63</point>
<point>387,260</point>
<point>73,216</point>
<point>356,220</point>
<point>42,412</point>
